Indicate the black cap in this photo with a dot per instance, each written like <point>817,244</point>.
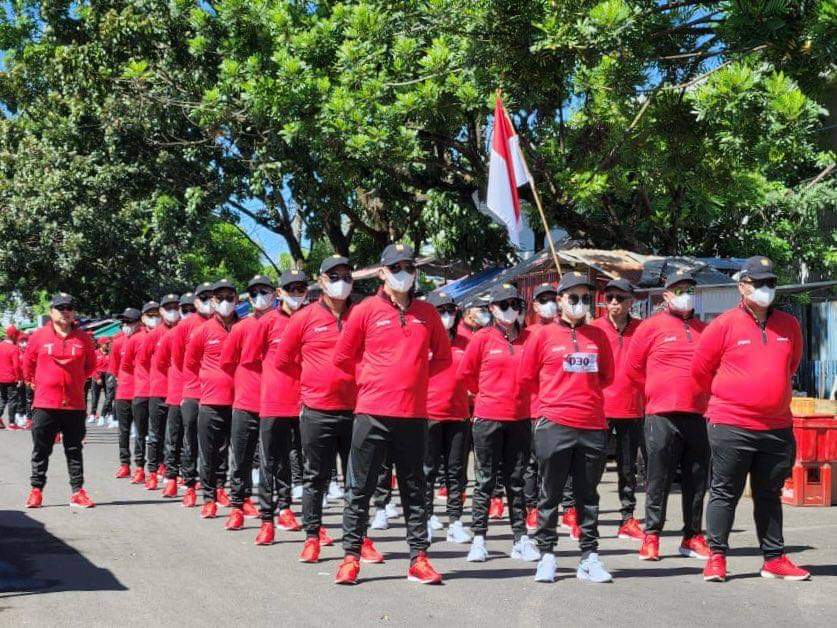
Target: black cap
<point>620,284</point>
<point>292,276</point>
<point>62,298</point>
<point>544,288</point>
<point>260,280</point>
<point>169,299</point>
<point>438,299</point>
<point>203,287</point>
<point>573,279</point>
<point>130,315</point>
<point>679,276</point>
<point>475,302</point>
<point>333,260</point>
<point>757,267</point>
<point>224,284</point>
<point>502,292</point>
<point>187,298</point>
<point>150,305</point>
<point>395,253</point>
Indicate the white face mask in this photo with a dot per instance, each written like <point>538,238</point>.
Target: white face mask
<point>171,316</point>
<point>483,318</point>
<point>225,308</point>
<point>577,311</point>
<point>763,296</point>
<point>547,310</point>
<point>186,315</point>
<point>683,302</point>
<point>151,321</point>
<point>294,303</point>
<point>507,317</point>
<point>339,290</point>
<point>401,281</point>
<point>127,329</point>
<point>448,320</point>
<point>263,301</point>
<point>205,307</point>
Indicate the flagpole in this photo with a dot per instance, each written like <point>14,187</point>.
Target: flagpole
<point>537,202</point>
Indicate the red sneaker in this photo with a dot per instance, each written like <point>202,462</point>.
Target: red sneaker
<point>222,498</point>
<point>325,539</point>
<point>631,530</point>
<point>161,470</point>
<point>442,493</point>
<point>575,533</point>
<point>783,569</point>
<point>287,521</point>
<point>695,547</point>
<point>209,510</point>
<point>394,482</point>
<point>368,553</point>
<point>124,471</point>
<point>14,426</point>
<point>570,518</point>
<point>80,499</point>
<point>198,485</point>
<point>496,508</point>
<point>650,549</point>
<point>532,519</point>
<point>190,497</point>
<point>249,510</point>
<point>235,520</point>
<point>170,489</point>
<point>28,426</point>
<point>265,535</point>
<point>310,551</point>
<point>181,481</point>
<point>151,482</point>
<point>35,499</point>
<point>422,571</point>
<point>58,438</point>
<point>348,571</point>
<point>716,568</point>
<point>139,476</point>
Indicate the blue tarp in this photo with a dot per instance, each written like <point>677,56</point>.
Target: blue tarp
<point>460,287</point>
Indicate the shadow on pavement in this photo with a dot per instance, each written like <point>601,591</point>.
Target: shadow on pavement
<point>33,561</point>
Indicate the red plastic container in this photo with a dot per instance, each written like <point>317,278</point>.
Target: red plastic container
<point>808,485</point>
<point>816,438</point>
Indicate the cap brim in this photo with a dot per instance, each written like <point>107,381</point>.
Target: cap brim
<point>758,276</point>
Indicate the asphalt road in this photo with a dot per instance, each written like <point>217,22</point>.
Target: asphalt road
<point>140,560</point>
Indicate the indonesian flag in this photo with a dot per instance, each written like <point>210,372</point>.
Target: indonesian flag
<point>507,171</point>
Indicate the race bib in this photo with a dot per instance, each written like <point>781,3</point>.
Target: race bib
<point>580,362</point>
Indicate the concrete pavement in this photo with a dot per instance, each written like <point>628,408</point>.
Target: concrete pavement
<point>139,559</point>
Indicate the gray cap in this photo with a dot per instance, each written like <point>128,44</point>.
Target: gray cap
<point>62,298</point>
<point>332,261</point>
<point>680,276</point>
<point>187,298</point>
<point>170,299</point>
<point>438,299</point>
<point>544,288</point>
<point>502,292</point>
<point>292,276</point>
<point>395,253</point>
<point>203,287</point>
<point>224,284</point>
<point>150,305</point>
<point>130,315</point>
<point>757,267</point>
<point>573,279</point>
<point>260,280</point>
<point>620,284</point>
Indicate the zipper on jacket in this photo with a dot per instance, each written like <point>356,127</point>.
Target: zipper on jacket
<point>575,339</point>
<point>688,330</point>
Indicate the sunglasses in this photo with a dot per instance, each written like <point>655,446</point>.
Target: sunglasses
<point>347,277</point>
<point>678,291</point>
<point>447,309</point>
<point>206,296</point>
<point>545,298</point>
<point>65,308</point>
<point>510,303</point>
<point>406,266</point>
<point>761,283</point>
<point>187,309</point>
<point>226,297</point>
<point>296,288</point>
<point>574,299</point>
<point>619,298</point>
<point>259,292</point>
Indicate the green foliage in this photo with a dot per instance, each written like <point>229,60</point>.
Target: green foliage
<point>224,252</point>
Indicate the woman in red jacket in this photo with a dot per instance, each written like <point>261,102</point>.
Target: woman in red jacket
<point>502,431</point>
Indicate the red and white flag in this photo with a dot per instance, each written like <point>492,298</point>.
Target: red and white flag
<point>507,171</point>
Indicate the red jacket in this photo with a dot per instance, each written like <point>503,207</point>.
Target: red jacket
<point>279,395</point>
<point>660,359</point>
<point>158,381</point>
<point>447,397</point>
<point>623,398</point>
<point>570,368</point>
<point>163,363</point>
<point>9,362</point>
<point>101,364</point>
<point>489,369</point>
<point>139,358</point>
<point>203,359</point>
<point>115,353</point>
<point>58,367</point>
<point>127,390</point>
<point>240,357</point>
<point>392,349</point>
<point>309,340</point>
<point>749,369</point>
<point>190,383</point>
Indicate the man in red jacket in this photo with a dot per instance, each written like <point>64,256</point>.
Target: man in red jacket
<point>58,360</point>
<point>241,357</point>
<point>623,400</point>
<point>10,375</point>
<point>569,362</point>
<point>660,359</point>
<point>125,391</point>
<point>390,337</point>
<point>746,359</point>
<point>203,359</point>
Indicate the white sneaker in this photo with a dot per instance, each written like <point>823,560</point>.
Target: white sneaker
<point>546,568</point>
<point>592,570</point>
<point>478,553</point>
<point>525,550</point>
<point>296,493</point>
<point>325,502</point>
<point>335,493</point>
<point>457,533</point>
<point>113,424</point>
<point>429,533</point>
<point>379,521</point>
<point>91,418</point>
<point>435,523</point>
<point>392,511</point>
<point>101,421</point>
